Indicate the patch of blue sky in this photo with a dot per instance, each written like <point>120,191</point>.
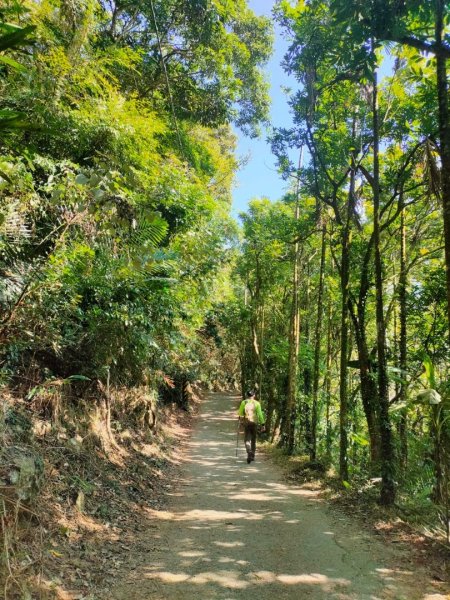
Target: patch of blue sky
<point>259,176</point>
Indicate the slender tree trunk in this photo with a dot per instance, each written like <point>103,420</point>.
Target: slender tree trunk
<point>246,353</point>
<point>343,382</point>
<point>271,395</point>
<point>305,420</point>
<point>276,427</point>
<point>317,335</point>
<point>294,346</point>
<point>343,391</point>
<point>444,134</point>
<point>243,361</point>
<point>294,336</point>
<point>387,496</point>
<point>257,327</point>
<point>441,444</point>
<point>369,394</point>
<point>327,385</point>
<point>261,346</point>
<point>402,429</point>
<point>369,391</point>
<point>255,345</point>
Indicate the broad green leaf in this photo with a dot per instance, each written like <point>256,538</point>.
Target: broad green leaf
<point>17,38</point>
<point>429,371</point>
<point>81,179</point>
<point>10,62</point>
<point>429,397</point>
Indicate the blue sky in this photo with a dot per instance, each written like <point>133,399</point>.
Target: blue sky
<point>259,177</point>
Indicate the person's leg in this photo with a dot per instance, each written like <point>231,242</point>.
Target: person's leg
<point>253,443</point>
<point>248,440</point>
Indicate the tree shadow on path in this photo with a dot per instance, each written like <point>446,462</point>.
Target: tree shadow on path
<point>236,531</point>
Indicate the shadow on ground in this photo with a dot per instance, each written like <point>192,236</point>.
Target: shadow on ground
<point>235,531</point>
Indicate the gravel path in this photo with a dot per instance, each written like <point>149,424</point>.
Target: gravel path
<point>235,531</point>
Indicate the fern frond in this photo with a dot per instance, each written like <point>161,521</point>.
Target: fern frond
<point>149,231</point>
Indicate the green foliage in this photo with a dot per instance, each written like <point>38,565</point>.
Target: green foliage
<point>114,228</point>
<point>208,66</point>
<point>380,201</point>
<point>12,39</point>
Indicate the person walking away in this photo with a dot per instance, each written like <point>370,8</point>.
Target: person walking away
<point>250,411</point>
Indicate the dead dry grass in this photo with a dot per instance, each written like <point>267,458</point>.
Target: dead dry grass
<point>71,537</point>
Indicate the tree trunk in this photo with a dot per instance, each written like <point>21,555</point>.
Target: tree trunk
<point>294,345</point>
<point>369,391</point>
<point>243,364</point>
<point>369,394</point>
<point>294,338</point>
<point>387,496</point>
<point>327,385</point>
<point>343,382</point>
<point>305,420</point>
<point>444,135</point>
<point>317,335</point>
<point>271,395</point>
<point>402,428</point>
<point>261,365</point>
<point>257,328</point>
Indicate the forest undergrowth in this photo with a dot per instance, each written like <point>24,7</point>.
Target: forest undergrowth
<point>66,525</point>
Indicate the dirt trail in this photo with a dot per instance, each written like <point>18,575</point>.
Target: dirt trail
<point>236,531</point>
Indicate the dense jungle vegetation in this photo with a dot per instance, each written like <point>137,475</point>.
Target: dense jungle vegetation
<point>348,275</point>
<point>117,164</point>
<point>121,267</point>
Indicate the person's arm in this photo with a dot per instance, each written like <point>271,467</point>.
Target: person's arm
<point>259,412</point>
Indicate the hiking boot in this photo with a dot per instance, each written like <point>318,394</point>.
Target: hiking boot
<point>249,459</point>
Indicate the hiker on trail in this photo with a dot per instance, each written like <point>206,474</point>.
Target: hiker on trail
<point>250,411</point>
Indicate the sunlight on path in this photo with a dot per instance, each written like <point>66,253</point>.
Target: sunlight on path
<point>235,531</point>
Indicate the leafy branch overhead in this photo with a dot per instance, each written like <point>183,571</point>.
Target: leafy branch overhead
<point>114,236</point>
<point>13,39</point>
